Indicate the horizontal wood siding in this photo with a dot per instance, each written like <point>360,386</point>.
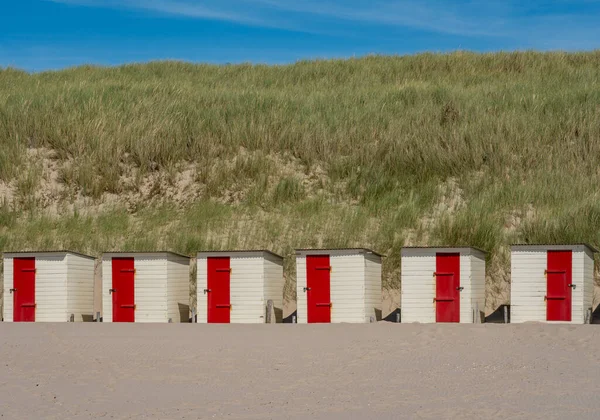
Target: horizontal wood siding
<point>247,286</point>
<point>178,288</point>
<point>273,283</point>
<point>150,286</point>
<point>588,280</point>
<point>8,284</point>
<point>247,290</point>
<point>372,287</point>
<point>478,282</point>
<point>106,285</point>
<point>528,287</point>
<point>347,287</point>
<point>201,283</point>
<point>577,302</point>
<point>80,287</point>
<point>418,285</point>
<point>301,303</point>
<point>466,295</point>
<point>51,288</point>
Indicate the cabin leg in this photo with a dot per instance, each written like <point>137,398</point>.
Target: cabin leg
<point>506,314</point>
<point>269,316</point>
<point>588,315</point>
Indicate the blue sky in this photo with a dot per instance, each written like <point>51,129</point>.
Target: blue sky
<point>39,35</point>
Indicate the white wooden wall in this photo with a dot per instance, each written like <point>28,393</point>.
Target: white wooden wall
<point>588,282</point>
<point>528,283</point>
<point>372,287</point>
<point>301,303</point>
<point>478,283</point>
<point>50,287</point>
<point>178,288</point>
<point>80,289</point>
<point>248,289</point>
<point>274,282</point>
<point>64,285</point>
<point>347,282</point>
<point>151,295</point>
<point>201,284</point>
<point>8,284</point>
<point>418,283</point>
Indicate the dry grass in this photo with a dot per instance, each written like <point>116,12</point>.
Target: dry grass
<point>379,152</point>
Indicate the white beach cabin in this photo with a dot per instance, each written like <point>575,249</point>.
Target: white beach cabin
<point>442,284</point>
<point>235,286</point>
<point>338,285</point>
<point>145,287</point>
<point>552,283</point>
<point>56,286</point>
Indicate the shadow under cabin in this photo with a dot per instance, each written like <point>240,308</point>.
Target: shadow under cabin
<point>48,286</point>
<point>552,283</point>
<point>145,287</point>
<point>443,284</point>
<point>239,287</point>
<point>338,285</point>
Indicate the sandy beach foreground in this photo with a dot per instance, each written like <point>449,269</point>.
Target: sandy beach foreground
<point>64,371</point>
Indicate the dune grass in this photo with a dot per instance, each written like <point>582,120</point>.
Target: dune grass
<point>462,148</point>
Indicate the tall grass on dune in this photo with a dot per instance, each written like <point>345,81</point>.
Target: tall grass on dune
<point>462,148</point>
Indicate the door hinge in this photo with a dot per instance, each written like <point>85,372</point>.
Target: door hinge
<point>306,289</point>
<point>572,286</point>
<point>207,291</point>
<point>460,289</point>
<point>111,291</point>
<point>13,290</point>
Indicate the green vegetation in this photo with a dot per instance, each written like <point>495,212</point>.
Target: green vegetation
<point>377,152</point>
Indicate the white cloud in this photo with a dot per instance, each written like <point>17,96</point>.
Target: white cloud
<point>534,24</point>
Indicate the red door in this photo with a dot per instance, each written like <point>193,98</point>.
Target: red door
<point>447,287</point>
<point>123,289</point>
<point>558,286</point>
<point>23,290</point>
<point>218,287</point>
<point>318,292</point>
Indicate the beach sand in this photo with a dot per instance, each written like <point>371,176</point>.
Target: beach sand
<point>344,371</point>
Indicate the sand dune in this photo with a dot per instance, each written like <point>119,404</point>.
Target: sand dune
<point>64,371</point>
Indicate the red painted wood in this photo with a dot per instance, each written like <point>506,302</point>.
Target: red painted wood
<point>219,286</point>
<point>318,293</point>
<point>123,284</point>
<point>24,293</point>
<point>447,283</point>
<point>558,293</point>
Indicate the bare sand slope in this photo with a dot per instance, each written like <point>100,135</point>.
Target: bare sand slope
<point>298,371</point>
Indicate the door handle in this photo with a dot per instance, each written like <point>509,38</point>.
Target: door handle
<point>111,291</point>
<point>460,289</point>
<point>572,286</point>
<point>306,289</point>
<point>13,290</point>
<point>207,291</point>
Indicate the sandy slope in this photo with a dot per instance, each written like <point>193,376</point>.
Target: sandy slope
<point>297,371</point>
